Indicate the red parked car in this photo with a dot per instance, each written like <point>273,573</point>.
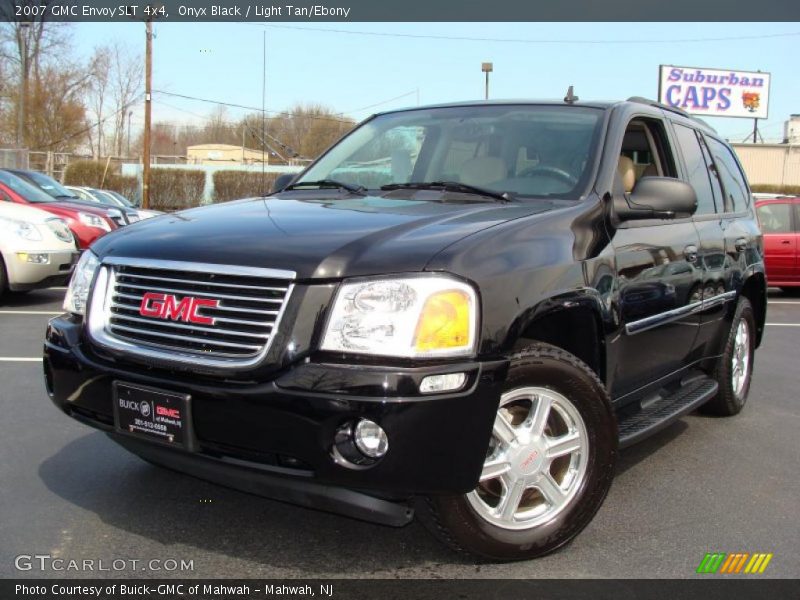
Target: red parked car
<point>86,222</point>
<point>779,217</point>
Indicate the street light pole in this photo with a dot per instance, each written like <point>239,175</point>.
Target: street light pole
<point>487,68</point>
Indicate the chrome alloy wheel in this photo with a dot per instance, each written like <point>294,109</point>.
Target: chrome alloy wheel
<point>740,361</point>
<point>536,461</point>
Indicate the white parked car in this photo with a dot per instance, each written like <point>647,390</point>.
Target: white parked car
<point>36,249</point>
<point>115,199</point>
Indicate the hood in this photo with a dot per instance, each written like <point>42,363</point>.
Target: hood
<point>319,237</point>
<point>24,212</point>
<point>95,209</point>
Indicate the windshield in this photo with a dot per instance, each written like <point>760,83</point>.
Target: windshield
<point>28,192</point>
<point>525,150</point>
<point>122,200</point>
<point>50,185</point>
<point>94,195</point>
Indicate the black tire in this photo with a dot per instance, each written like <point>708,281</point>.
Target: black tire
<point>728,402</point>
<point>3,278</point>
<point>453,519</point>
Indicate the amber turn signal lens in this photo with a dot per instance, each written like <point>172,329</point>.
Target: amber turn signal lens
<point>444,322</point>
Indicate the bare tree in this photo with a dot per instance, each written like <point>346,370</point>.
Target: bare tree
<point>97,98</point>
<point>125,82</point>
<point>26,49</point>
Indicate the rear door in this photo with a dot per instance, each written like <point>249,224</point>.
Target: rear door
<point>780,240</point>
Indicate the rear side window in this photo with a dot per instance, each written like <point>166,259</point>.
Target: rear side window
<point>730,176</point>
<point>775,218</point>
<point>696,169</point>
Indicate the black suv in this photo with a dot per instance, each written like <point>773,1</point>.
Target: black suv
<point>460,311</point>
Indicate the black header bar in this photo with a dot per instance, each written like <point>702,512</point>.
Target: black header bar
<point>263,11</point>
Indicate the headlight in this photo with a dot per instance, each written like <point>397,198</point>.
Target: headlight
<point>78,290</point>
<point>24,229</point>
<point>91,220</point>
<point>60,229</point>
<point>425,316</point>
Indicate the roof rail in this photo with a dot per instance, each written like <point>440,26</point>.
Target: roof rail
<point>674,109</point>
<point>656,104</point>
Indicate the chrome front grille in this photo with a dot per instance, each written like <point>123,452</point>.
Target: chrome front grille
<point>148,308</point>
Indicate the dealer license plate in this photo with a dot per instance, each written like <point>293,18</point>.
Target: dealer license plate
<point>152,414</point>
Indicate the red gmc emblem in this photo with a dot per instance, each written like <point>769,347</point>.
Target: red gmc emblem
<point>167,306</point>
<point>172,413</point>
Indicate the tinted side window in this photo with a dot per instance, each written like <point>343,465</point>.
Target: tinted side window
<point>775,218</point>
<point>797,218</point>
<point>730,176</point>
<point>696,168</point>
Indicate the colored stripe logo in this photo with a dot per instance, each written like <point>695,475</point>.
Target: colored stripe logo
<point>734,563</point>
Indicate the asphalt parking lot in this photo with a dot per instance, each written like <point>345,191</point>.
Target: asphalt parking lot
<point>702,485</point>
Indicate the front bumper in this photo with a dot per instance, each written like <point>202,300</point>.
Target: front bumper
<point>283,429</point>
<point>24,275</point>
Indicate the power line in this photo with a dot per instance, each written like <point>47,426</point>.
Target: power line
<point>383,102</point>
<point>533,41</point>
<point>95,124</point>
<point>237,126</point>
<point>253,108</point>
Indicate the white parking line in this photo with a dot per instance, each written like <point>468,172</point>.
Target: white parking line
<point>783,324</point>
<point>29,312</point>
<point>19,359</point>
<point>782,302</point>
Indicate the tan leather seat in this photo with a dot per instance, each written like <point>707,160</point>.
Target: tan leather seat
<point>650,171</point>
<point>482,170</point>
<point>627,172</point>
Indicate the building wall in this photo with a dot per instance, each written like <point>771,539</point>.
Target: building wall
<point>216,154</point>
<point>772,164</point>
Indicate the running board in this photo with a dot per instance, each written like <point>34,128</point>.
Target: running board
<point>665,410</point>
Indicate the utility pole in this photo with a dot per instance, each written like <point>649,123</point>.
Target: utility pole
<point>148,80</point>
<point>23,83</point>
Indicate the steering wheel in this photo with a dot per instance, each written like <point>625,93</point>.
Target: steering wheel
<point>551,171</point>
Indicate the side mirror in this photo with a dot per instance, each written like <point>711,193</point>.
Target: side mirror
<point>281,181</point>
<point>657,198</point>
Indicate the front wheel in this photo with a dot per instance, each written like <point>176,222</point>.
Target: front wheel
<point>548,467</point>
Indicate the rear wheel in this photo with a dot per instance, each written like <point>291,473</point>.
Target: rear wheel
<point>548,466</point>
<point>735,367</point>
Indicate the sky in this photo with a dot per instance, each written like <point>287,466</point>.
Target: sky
<point>357,74</point>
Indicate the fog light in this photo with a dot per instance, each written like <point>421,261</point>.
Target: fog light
<point>442,383</point>
<point>37,258</point>
<point>370,438</point>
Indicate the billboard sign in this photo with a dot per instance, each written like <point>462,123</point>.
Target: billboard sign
<point>715,92</point>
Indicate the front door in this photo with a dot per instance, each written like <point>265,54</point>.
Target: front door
<point>658,275</point>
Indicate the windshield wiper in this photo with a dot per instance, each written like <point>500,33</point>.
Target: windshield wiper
<point>329,183</point>
<point>449,186</point>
